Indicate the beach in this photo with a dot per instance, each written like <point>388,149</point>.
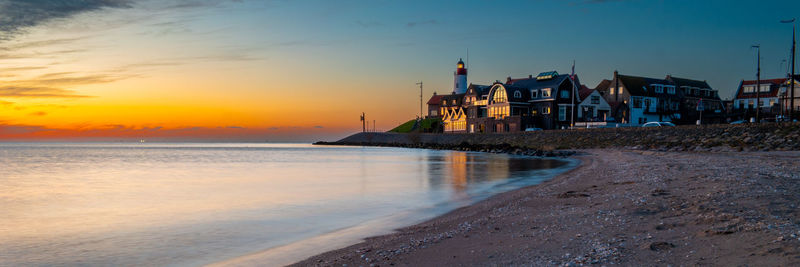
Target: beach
<point>619,207</point>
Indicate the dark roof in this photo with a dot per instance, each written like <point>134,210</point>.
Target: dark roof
<point>533,83</point>
<point>524,93</point>
<point>435,100</point>
<point>603,85</point>
<point>640,86</point>
<point>584,93</point>
<point>688,82</point>
<point>459,98</point>
<point>479,89</point>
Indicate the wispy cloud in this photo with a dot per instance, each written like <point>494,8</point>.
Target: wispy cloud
<point>38,113</point>
<point>425,22</point>
<point>368,24</point>
<point>18,15</point>
<point>37,92</point>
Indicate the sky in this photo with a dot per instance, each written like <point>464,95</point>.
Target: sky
<point>300,71</point>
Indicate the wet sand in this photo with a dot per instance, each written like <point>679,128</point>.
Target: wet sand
<point>625,207</point>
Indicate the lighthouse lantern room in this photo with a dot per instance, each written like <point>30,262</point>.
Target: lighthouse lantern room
<point>460,77</point>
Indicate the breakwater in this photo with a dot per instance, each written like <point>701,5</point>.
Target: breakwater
<point>720,137</point>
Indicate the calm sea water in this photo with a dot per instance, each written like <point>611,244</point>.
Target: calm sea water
<point>229,204</point>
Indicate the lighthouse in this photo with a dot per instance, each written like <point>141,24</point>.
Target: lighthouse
<point>460,78</point>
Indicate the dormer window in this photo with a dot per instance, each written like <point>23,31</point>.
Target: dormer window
<point>517,94</point>
<point>534,93</point>
<point>658,88</point>
<point>546,92</point>
<point>671,90</point>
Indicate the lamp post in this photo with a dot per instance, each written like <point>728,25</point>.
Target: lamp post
<point>758,82</point>
<point>791,77</point>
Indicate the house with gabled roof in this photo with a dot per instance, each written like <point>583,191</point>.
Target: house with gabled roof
<point>698,100</point>
<point>637,100</point>
<point>745,98</point>
<point>550,98</point>
<point>593,107</point>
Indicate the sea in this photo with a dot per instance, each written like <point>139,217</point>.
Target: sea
<point>230,204</point>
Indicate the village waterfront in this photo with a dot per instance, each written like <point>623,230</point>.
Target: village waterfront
<point>189,204</point>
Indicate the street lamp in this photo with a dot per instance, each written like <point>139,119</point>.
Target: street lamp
<point>758,82</point>
<point>791,77</point>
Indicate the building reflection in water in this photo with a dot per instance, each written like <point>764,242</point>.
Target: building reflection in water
<point>457,170</point>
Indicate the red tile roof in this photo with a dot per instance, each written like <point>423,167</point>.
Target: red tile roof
<point>435,100</point>
<point>775,85</point>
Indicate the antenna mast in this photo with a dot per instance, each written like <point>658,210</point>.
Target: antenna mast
<point>420,100</point>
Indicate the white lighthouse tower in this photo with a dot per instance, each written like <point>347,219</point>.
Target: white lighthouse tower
<point>460,77</point>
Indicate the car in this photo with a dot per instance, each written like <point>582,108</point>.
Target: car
<point>532,129</point>
<point>658,124</point>
<point>738,122</point>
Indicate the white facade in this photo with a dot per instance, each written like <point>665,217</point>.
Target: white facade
<point>592,104</point>
<point>643,109</point>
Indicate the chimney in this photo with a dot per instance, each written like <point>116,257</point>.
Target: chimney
<point>508,80</point>
<point>530,76</point>
<point>616,87</point>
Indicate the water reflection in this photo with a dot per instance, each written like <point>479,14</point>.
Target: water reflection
<point>193,204</point>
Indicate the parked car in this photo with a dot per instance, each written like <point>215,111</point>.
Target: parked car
<point>658,124</point>
<point>738,122</point>
<point>532,129</point>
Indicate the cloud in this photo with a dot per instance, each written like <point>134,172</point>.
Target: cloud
<point>426,22</point>
<point>368,24</point>
<point>38,113</point>
<point>18,15</point>
<point>37,92</point>
<point>318,127</point>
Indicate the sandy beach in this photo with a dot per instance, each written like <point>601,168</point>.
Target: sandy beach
<point>620,207</point>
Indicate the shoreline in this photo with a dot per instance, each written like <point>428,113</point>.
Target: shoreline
<point>296,251</point>
<point>617,207</point>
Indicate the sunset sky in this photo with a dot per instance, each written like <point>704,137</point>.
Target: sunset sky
<point>305,70</point>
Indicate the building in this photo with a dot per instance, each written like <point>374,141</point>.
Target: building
<point>744,101</point>
<point>550,98</point>
<point>698,99</point>
<point>593,107</point>
<point>435,106</point>
<point>637,100</point>
<point>785,96</point>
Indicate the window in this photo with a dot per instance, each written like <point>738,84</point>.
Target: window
<point>658,88</point>
<point>546,92</point>
<point>637,102</point>
<point>612,90</point>
<point>671,90</point>
<point>562,113</point>
<point>647,103</point>
<point>750,104</point>
<point>564,94</point>
<point>454,102</point>
<point>534,93</point>
<point>517,94</point>
<point>765,87</point>
<point>546,110</point>
<point>444,102</point>
<point>499,95</point>
<point>595,99</point>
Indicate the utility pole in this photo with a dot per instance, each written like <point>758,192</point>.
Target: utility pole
<point>373,126</point>
<point>574,91</point>
<point>758,83</point>
<point>420,100</point>
<point>363,123</point>
<point>791,77</point>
